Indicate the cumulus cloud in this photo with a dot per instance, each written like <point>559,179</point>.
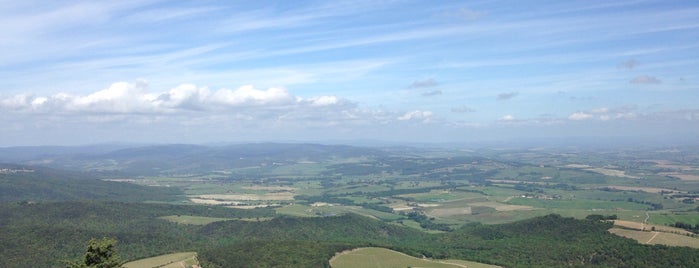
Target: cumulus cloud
<point>645,79</point>
<point>629,64</point>
<point>462,109</point>
<point>605,114</point>
<point>132,98</point>
<point>507,96</point>
<point>430,82</point>
<point>418,115</point>
<point>577,116</point>
<point>508,118</point>
<point>432,93</point>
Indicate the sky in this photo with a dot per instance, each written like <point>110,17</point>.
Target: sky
<point>148,71</point>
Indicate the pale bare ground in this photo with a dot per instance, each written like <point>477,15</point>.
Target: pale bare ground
<point>446,212</point>
<point>458,263</point>
<point>254,206</point>
<point>611,172</point>
<point>269,188</point>
<point>501,207</point>
<point>577,166</point>
<point>248,197</point>
<point>212,201</point>
<point>662,238</point>
<point>647,227</point>
<point>642,189</point>
<point>668,164</point>
<point>517,182</point>
<point>684,177</point>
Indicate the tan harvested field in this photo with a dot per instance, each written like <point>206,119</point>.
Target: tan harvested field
<point>640,227</point>
<point>446,212</point>
<point>669,165</point>
<point>661,238</point>
<point>517,182</point>
<point>577,166</point>
<point>681,176</point>
<point>501,207</point>
<point>384,258</point>
<point>212,201</point>
<point>192,220</point>
<point>175,260</point>
<point>240,206</point>
<point>642,189</point>
<point>611,172</point>
<point>248,197</point>
<point>269,188</point>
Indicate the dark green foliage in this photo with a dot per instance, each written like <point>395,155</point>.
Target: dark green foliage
<point>51,232</point>
<point>292,254</point>
<point>555,241</point>
<point>100,253</point>
<point>44,184</point>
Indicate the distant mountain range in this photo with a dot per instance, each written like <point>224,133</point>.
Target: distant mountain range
<point>177,158</point>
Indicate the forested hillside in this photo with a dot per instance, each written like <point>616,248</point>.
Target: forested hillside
<point>52,232</point>
<point>31,183</point>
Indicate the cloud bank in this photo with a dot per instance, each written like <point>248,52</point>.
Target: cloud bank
<point>133,98</point>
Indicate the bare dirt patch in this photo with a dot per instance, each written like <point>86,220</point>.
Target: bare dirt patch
<point>248,197</point>
<point>446,212</point>
<point>681,176</point>
<point>269,188</point>
<point>647,227</point>
<point>501,207</point>
<point>611,172</point>
<point>641,189</point>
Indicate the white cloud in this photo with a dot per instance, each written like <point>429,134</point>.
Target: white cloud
<point>424,116</point>
<point>580,116</point>
<point>508,117</point>
<point>132,98</point>
<point>599,110</point>
<point>248,95</point>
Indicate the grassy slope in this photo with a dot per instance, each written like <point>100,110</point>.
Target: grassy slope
<point>381,257</point>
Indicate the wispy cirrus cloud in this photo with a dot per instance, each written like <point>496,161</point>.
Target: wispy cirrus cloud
<point>645,79</point>
<point>462,109</point>
<point>429,82</point>
<point>507,96</point>
<point>431,93</point>
<point>629,64</point>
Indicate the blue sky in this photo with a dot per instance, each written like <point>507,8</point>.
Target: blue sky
<point>77,72</point>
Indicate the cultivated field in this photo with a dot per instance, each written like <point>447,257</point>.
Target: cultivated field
<point>380,258</point>
<point>175,260</point>
<point>662,238</point>
<point>193,220</point>
<point>648,227</point>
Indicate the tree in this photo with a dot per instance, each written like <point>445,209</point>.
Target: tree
<point>100,254</point>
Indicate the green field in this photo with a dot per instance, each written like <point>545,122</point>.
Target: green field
<point>174,260</point>
<point>386,258</point>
